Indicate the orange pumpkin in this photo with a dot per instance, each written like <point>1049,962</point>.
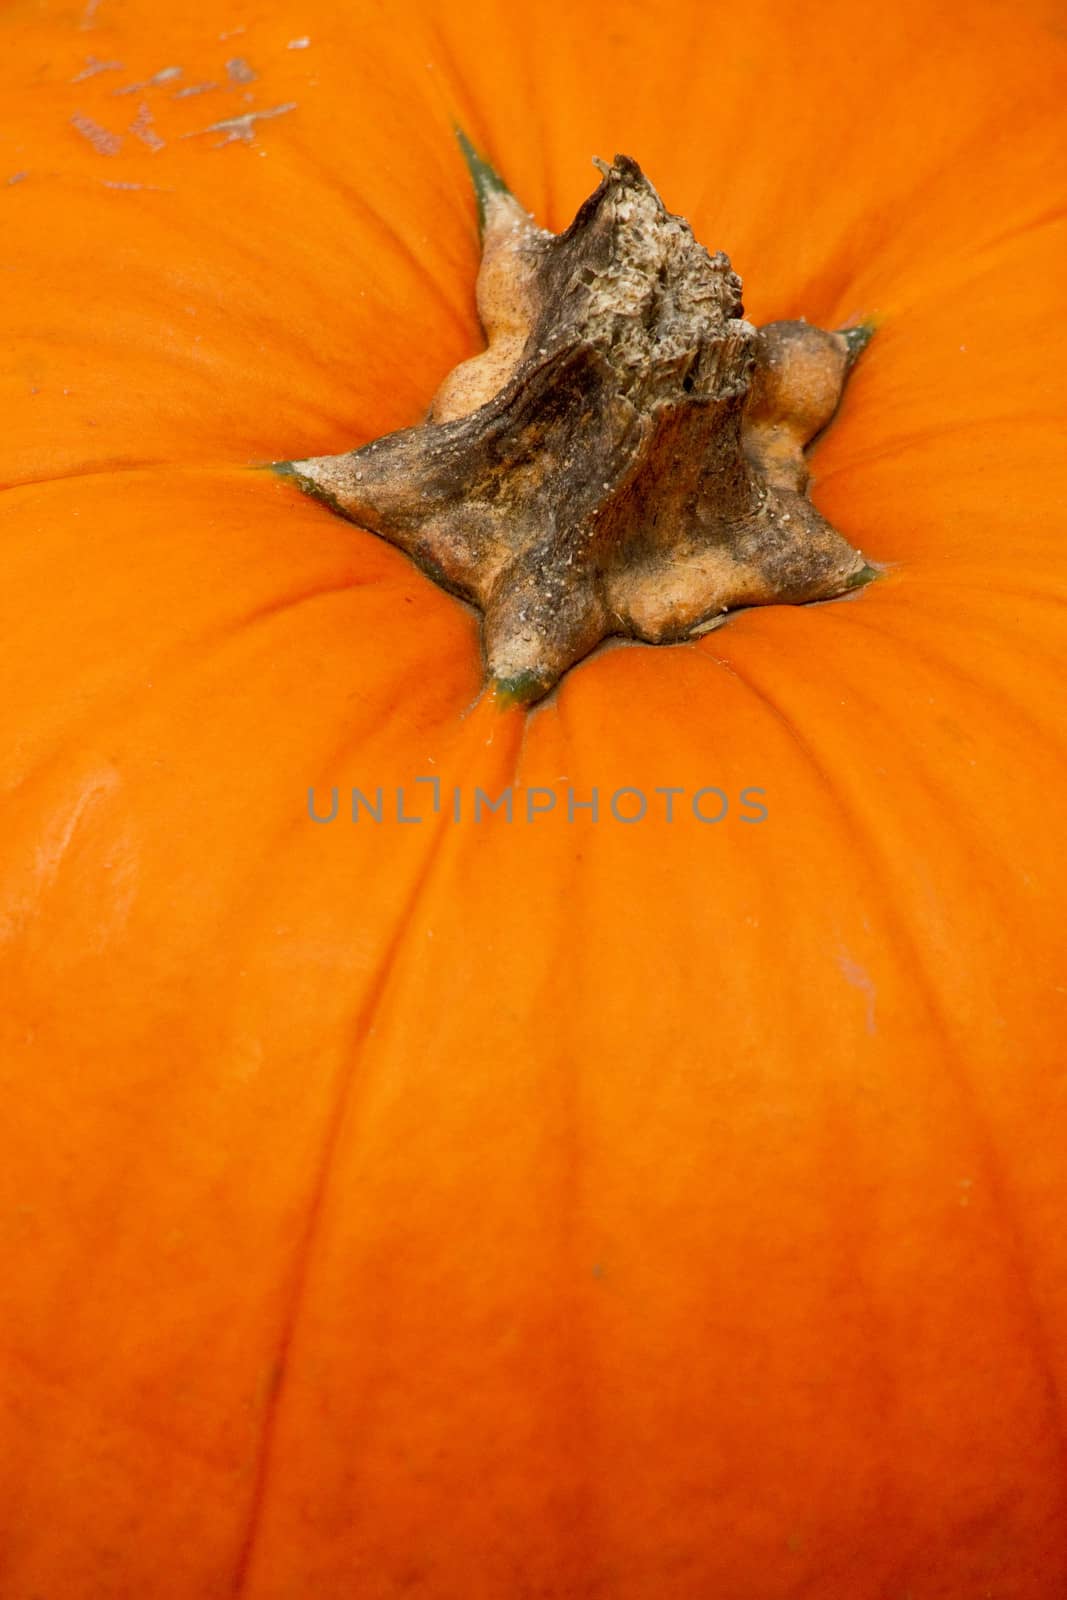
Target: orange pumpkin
<point>560,1208</point>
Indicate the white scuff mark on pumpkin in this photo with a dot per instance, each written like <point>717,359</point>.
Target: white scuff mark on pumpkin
<point>95,65</point>
<point>117,183</point>
<point>231,33</point>
<point>238,70</point>
<point>164,75</point>
<point>298,44</point>
<point>141,128</point>
<point>861,979</point>
<point>243,127</point>
<point>965,1185</point>
<point>103,141</point>
<point>61,849</point>
<point>194,88</point>
<point>89,14</point>
<point>16,177</point>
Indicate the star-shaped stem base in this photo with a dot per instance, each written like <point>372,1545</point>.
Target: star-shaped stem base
<point>625,457</point>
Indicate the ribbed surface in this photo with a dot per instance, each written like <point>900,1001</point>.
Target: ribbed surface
<point>665,1211</point>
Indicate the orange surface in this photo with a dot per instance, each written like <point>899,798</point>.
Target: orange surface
<point>650,1212</point>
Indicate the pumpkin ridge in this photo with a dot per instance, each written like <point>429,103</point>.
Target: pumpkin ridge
<point>458,311</point>
<point>988,581</point>
<point>1016,1256</point>
<point>304,1251</point>
<point>111,712</point>
<point>346,1098</point>
<point>451,95</point>
<point>889,449</point>
<point>944,665</point>
<point>149,470</point>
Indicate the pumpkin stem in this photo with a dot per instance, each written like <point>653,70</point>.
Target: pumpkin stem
<point>484,177</point>
<point>627,454</point>
<point>857,338</point>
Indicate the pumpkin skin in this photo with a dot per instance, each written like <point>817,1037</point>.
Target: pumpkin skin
<point>566,1210</point>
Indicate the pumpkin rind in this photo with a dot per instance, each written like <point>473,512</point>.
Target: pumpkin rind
<point>567,1208</point>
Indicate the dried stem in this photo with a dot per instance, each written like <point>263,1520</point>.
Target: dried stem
<point>627,454</point>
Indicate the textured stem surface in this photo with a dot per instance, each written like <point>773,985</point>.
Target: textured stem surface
<point>627,454</point>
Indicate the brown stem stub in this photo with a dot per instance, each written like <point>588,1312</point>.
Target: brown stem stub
<point>625,457</point>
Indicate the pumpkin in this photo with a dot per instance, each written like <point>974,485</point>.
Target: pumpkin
<point>619,1205</point>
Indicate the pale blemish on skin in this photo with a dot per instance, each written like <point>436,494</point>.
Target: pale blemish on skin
<point>94,798</point>
<point>164,75</point>
<point>860,979</point>
<point>141,128</point>
<point>241,128</point>
<point>194,88</point>
<point>238,70</point>
<point>94,66</point>
<point>103,141</point>
<point>16,177</point>
<point>298,44</point>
